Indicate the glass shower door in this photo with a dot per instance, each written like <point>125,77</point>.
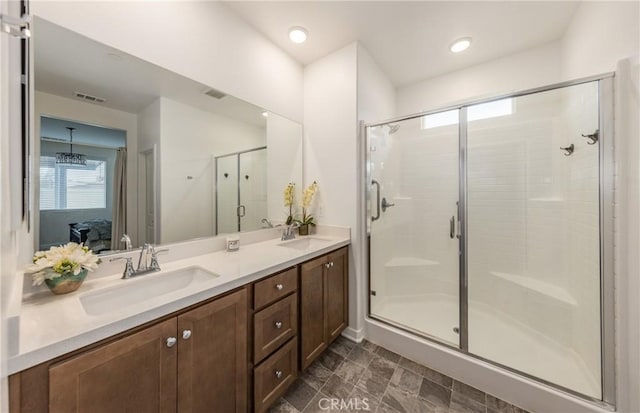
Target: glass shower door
<point>414,229</point>
<point>533,235</point>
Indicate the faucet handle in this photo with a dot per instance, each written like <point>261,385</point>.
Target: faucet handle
<point>128,266</point>
<point>154,257</point>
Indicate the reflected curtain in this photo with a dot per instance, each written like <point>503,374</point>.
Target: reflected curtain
<point>119,206</point>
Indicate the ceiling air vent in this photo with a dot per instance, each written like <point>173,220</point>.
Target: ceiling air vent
<point>89,98</point>
<point>215,93</point>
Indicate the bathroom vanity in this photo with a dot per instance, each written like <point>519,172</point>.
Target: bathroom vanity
<point>236,343</point>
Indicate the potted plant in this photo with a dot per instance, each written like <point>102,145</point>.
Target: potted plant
<point>63,268</point>
<point>289,198</point>
<point>307,219</point>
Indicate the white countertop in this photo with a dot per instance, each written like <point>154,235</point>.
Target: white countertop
<point>50,326</point>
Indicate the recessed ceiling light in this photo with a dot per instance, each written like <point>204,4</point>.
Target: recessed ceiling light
<point>298,34</point>
<point>265,114</point>
<point>460,45</point>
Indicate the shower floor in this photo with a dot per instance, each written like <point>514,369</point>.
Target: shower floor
<point>492,336</point>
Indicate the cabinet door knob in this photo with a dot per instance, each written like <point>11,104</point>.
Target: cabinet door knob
<point>278,324</point>
<point>186,334</point>
<point>171,341</point>
<point>331,264</point>
<point>278,374</point>
<point>279,287</point>
<point>326,265</point>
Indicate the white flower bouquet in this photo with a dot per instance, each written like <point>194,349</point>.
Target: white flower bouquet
<point>70,261</point>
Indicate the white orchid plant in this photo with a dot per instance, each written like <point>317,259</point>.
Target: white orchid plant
<point>307,199</point>
<point>66,259</point>
<point>289,196</point>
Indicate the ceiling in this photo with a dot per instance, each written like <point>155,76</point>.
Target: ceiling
<point>410,40</point>
<point>66,62</point>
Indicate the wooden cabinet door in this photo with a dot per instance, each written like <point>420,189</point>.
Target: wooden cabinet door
<point>336,290</point>
<point>212,356</point>
<point>313,334</point>
<point>134,374</point>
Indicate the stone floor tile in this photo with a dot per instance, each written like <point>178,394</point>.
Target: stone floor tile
<point>460,403</point>
<point>318,404</point>
<point>435,393</point>
<point>350,371</point>
<point>399,399</point>
<point>385,408</point>
<point>330,360</point>
<point>495,405</point>
<point>469,392</point>
<point>360,356</point>
<point>300,394</point>
<point>406,380</point>
<point>336,387</point>
<point>369,346</point>
<point>316,375</point>
<point>365,401</point>
<point>388,354</point>
<point>382,367</point>
<point>283,406</point>
<point>373,383</point>
<point>342,346</point>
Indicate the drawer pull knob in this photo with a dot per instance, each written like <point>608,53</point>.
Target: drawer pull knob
<point>186,334</point>
<point>278,374</point>
<point>279,287</point>
<point>278,324</point>
<point>171,341</point>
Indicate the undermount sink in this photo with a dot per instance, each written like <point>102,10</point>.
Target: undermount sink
<point>138,290</point>
<point>305,243</point>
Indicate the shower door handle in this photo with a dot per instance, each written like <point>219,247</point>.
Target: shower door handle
<point>239,209</point>
<point>386,205</point>
<point>377,184</point>
<point>452,227</point>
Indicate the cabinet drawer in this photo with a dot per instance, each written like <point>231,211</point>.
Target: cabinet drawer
<point>275,287</point>
<point>275,375</point>
<point>274,325</point>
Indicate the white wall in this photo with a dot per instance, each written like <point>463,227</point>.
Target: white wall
<point>528,69</point>
<point>64,108</point>
<point>376,101</point>
<point>627,238</point>
<point>190,139</point>
<point>204,41</point>
<point>330,146</point>
<point>284,163</point>
<point>148,140</point>
<point>600,34</point>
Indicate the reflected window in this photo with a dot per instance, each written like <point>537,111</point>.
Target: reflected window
<point>72,186</point>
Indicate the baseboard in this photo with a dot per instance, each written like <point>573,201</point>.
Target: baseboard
<point>354,335</point>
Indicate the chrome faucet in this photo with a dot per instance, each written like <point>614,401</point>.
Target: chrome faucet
<point>127,241</point>
<point>145,266</point>
<point>267,223</point>
<point>288,232</point>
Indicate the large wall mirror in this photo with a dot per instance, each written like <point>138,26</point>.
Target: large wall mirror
<point>125,146</point>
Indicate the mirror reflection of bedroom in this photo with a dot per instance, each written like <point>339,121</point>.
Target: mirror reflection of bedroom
<point>81,183</point>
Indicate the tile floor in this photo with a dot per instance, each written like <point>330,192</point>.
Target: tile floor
<point>355,373</point>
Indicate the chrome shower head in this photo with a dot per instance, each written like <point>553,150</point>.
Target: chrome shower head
<point>393,128</point>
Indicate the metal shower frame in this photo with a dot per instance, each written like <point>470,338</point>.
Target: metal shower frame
<point>606,198</point>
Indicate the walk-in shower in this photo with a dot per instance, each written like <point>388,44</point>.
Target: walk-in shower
<point>490,231</point>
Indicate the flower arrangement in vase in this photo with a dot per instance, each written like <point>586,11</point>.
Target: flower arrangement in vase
<point>307,219</point>
<point>63,268</point>
<point>289,199</point>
